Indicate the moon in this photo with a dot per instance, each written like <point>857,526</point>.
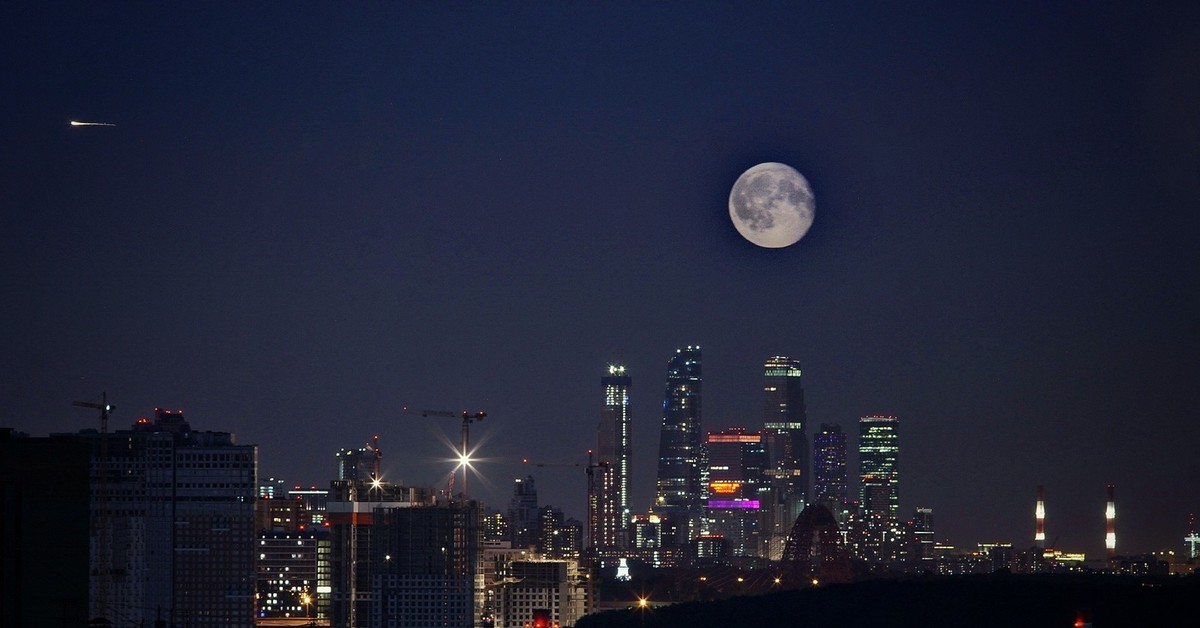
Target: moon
<point>771,205</point>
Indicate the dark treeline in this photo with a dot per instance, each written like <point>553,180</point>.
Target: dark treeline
<point>1058,601</point>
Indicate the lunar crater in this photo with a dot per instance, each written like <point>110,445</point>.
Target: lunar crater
<point>771,205</point>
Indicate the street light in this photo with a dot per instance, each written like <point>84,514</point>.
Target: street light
<point>306,600</point>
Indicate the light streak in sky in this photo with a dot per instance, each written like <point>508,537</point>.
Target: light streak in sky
<point>78,123</point>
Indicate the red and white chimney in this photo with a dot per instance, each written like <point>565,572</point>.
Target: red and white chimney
<point>1039,515</point>
<point>1110,516</point>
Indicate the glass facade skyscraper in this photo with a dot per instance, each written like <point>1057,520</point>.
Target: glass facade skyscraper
<point>785,425</point>
<point>678,486</point>
<point>614,450</point>
<point>829,466</point>
<point>879,473</point>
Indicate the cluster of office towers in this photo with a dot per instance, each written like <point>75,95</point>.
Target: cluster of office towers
<point>733,492</point>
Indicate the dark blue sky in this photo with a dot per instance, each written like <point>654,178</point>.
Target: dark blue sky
<point>311,215</point>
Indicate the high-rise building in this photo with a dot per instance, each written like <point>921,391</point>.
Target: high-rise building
<point>785,433</point>
<point>399,557</point>
<point>355,464</point>
<point>558,536</point>
<point>524,528</point>
<point>426,568</point>
<point>293,574</point>
<point>785,423</point>
<point>737,488</point>
<point>879,471</point>
<point>495,527</point>
<point>922,553</point>
<point>614,451</point>
<point>679,489</point>
<point>829,466</point>
<point>176,533</point>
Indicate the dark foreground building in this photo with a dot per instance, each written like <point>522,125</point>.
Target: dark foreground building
<point>43,530</point>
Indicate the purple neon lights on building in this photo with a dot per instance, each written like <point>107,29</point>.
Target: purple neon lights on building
<point>734,503</point>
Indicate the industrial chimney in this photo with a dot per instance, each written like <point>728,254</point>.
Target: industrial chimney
<point>1039,514</point>
<point>1110,516</point>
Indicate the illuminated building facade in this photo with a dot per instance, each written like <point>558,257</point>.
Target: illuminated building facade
<point>922,540</point>
<point>678,487</point>
<point>614,452</point>
<point>878,459</point>
<point>654,540</point>
<point>495,527</point>
<point>355,464</point>
<point>737,489</point>
<point>313,499</point>
<point>785,425</point>
<point>829,466</point>
<point>559,537</point>
<point>293,575</point>
<point>271,488</point>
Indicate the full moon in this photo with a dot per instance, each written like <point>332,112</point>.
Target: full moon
<point>771,205</point>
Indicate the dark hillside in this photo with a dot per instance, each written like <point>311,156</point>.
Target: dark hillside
<point>1016,601</point>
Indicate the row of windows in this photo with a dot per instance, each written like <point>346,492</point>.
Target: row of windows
<point>206,457</point>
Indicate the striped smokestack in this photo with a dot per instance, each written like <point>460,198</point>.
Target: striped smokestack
<point>1110,516</point>
<point>1039,514</point>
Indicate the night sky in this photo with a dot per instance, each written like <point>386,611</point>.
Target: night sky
<point>311,215</point>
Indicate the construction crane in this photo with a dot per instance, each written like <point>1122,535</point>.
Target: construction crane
<point>467,419</point>
<point>591,558</point>
<point>103,567</point>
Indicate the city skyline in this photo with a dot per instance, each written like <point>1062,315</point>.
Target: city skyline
<point>357,461</point>
<point>302,222</point>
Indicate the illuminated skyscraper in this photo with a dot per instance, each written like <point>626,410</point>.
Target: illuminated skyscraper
<point>878,453</point>
<point>679,486</point>
<point>785,425</point>
<point>829,466</point>
<point>737,489</point>
<point>614,450</point>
